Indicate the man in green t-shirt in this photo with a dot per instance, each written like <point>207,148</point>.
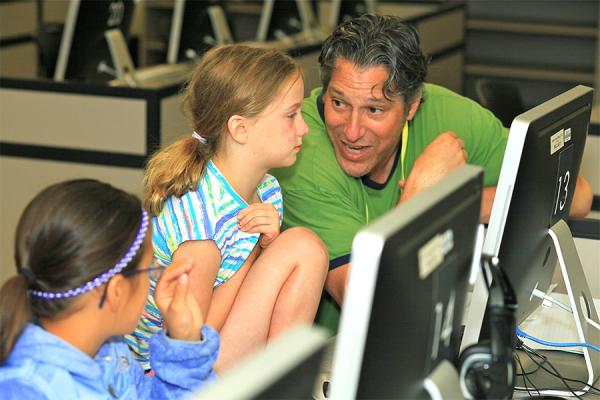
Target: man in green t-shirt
<point>377,136</point>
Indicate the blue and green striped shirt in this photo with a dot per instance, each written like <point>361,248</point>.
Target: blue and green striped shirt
<point>208,213</point>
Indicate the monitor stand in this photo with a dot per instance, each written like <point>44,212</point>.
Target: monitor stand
<point>580,298</point>
<point>123,64</point>
<point>443,382</point>
<point>581,301</point>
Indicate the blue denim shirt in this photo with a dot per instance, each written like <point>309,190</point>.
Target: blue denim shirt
<point>42,365</point>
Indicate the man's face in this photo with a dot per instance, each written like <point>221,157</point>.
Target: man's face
<point>364,127</point>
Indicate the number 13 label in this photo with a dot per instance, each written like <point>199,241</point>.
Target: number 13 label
<point>564,181</point>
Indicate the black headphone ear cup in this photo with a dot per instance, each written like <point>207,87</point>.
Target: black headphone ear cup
<point>487,370</point>
<point>474,364</point>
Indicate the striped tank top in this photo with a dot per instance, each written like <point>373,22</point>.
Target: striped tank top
<point>208,213</point>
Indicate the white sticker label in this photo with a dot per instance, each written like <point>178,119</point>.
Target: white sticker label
<point>432,253</point>
<point>557,141</point>
<point>447,241</point>
<point>567,134</point>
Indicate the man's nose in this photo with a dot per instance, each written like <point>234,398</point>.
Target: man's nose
<point>352,129</point>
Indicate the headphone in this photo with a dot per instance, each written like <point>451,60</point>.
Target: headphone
<point>487,370</point>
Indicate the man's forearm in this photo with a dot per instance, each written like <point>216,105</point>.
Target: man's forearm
<point>487,200</point>
<point>582,199</point>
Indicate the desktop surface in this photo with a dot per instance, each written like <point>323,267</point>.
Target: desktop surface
<point>569,365</point>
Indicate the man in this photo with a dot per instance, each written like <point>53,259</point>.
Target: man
<point>378,135</point>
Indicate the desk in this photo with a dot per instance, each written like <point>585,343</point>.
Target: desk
<point>53,131</point>
<point>569,365</point>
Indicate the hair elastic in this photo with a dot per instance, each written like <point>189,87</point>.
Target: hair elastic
<point>99,280</point>
<point>199,137</point>
<point>29,276</point>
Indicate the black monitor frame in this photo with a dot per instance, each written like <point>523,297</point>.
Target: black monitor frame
<point>535,190</point>
<point>196,26</point>
<point>279,19</point>
<point>84,54</point>
<point>528,231</point>
<point>344,10</point>
<point>405,296</point>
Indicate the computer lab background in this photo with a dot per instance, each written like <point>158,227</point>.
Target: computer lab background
<point>508,55</point>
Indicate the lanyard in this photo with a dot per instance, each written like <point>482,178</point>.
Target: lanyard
<point>402,156</point>
<point>403,150</point>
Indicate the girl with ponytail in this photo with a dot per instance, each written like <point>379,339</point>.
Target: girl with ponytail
<point>214,202</point>
<point>83,254</point>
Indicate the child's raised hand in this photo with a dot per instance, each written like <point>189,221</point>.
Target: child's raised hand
<point>260,218</point>
<point>179,308</point>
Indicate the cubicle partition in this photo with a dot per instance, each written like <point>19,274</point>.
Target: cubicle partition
<point>51,131</point>
<point>441,29</point>
<point>590,166</point>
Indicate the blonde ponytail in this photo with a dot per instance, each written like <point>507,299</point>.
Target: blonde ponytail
<point>174,171</point>
<point>229,80</point>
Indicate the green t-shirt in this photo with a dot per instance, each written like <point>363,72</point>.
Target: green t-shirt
<point>319,195</point>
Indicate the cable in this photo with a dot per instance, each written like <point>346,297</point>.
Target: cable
<point>591,389</point>
<point>529,350</point>
<point>554,344</point>
<point>558,375</point>
<point>525,376</point>
<point>541,295</point>
<point>527,373</point>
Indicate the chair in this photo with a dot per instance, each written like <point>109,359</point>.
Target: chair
<point>500,97</point>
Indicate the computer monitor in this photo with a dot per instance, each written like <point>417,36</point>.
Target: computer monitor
<point>279,19</point>
<point>345,10</point>
<point>196,26</point>
<point>527,230</point>
<point>285,369</point>
<point>84,54</point>
<point>535,190</point>
<point>405,295</point>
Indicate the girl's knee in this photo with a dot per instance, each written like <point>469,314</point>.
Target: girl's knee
<point>306,243</point>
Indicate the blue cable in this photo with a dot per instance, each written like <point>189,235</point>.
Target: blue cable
<point>540,341</point>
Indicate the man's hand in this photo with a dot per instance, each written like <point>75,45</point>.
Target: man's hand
<point>442,156</point>
<point>582,199</point>
<point>177,305</point>
<point>260,218</point>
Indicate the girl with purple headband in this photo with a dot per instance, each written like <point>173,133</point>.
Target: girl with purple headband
<point>83,252</point>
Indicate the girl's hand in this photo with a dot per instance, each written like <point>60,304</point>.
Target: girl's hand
<point>176,303</point>
<point>260,218</point>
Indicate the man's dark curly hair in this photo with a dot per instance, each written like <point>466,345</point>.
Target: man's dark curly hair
<point>377,40</point>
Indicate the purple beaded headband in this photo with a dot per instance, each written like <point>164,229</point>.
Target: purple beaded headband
<point>99,280</point>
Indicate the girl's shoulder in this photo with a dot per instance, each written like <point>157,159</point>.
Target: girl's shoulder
<point>268,182</point>
<point>211,191</point>
<point>268,189</point>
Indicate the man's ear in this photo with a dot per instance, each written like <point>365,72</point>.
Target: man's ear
<point>237,128</point>
<point>414,106</point>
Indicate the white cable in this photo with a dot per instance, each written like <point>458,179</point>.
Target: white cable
<point>541,295</point>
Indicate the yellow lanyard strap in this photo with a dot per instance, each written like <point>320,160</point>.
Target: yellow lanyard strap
<point>403,150</point>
